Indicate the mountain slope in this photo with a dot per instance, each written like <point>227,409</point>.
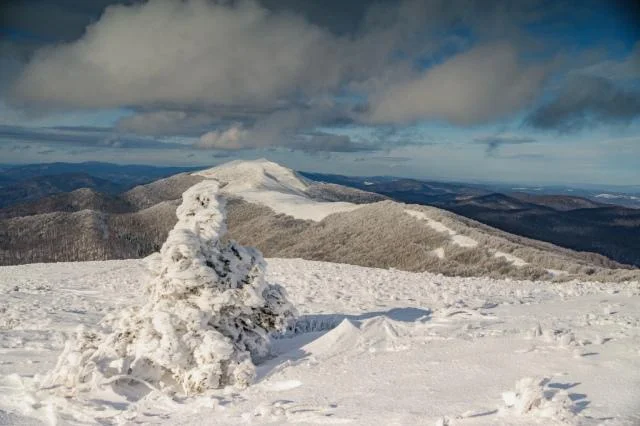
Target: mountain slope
<point>558,202</point>
<point>42,186</point>
<point>286,215</point>
<point>124,175</point>
<point>414,238</point>
<point>267,183</point>
<point>79,199</point>
<point>574,222</point>
<point>170,188</point>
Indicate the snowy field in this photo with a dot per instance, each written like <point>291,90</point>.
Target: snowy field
<point>372,347</point>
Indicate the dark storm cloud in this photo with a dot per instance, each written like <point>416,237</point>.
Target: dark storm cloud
<point>237,139</point>
<point>493,143</point>
<point>527,157</point>
<point>247,74</point>
<point>47,21</point>
<point>327,142</point>
<point>587,101</point>
<point>287,55</point>
<point>19,148</point>
<point>79,136</point>
<point>390,158</point>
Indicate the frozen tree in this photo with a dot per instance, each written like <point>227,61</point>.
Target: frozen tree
<point>207,319</point>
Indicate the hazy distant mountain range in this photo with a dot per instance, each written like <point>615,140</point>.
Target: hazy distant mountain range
<point>24,183</point>
<point>318,217</point>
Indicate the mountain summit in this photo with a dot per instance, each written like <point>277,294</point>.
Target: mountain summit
<point>275,186</point>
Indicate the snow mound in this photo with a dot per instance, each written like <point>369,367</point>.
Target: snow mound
<point>439,252</point>
<point>207,318</point>
<point>514,260</point>
<point>341,338</point>
<point>277,187</point>
<point>377,334</point>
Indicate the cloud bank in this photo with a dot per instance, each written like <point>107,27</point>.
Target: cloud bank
<point>473,87</point>
<point>248,74</point>
<point>586,101</point>
<point>198,53</point>
<point>495,142</point>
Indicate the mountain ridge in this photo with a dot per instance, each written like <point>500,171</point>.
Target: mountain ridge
<point>287,215</point>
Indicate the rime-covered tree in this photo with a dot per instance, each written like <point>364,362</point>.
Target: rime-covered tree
<point>207,319</point>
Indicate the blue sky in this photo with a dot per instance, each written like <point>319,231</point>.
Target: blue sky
<point>501,91</point>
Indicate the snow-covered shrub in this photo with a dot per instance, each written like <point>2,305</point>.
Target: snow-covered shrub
<point>207,319</point>
<point>532,396</point>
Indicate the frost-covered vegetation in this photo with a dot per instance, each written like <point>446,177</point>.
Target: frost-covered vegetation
<point>269,209</point>
<point>132,225</point>
<point>383,235</point>
<point>207,319</point>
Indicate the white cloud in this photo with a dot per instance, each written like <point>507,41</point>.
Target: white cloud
<point>183,52</point>
<point>233,138</point>
<point>475,86</point>
<point>190,66</point>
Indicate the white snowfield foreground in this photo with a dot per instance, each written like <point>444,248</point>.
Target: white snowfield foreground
<point>373,347</point>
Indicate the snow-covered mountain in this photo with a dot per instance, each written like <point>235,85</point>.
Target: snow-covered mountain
<point>203,331</point>
<point>277,187</point>
<point>284,214</point>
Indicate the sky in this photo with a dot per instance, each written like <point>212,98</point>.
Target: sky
<point>527,91</point>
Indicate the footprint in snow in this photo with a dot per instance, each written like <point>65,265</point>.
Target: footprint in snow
<point>298,413</point>
<point>280,386</point>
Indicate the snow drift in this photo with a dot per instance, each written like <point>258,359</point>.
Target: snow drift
<point>206,321</point>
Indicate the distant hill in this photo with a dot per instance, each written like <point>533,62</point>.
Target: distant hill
<point>285,214</point>
<point>85,225</point>
<point>558,202</point>
<point>125,175</point>
<point>24,183</point>
<point>565,220</point>
<point>42,186</point>
<point>76,200</point>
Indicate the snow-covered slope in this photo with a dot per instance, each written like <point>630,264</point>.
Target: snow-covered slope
<point>275,186</point>
<point>380,232</point>
<point>373,346</point>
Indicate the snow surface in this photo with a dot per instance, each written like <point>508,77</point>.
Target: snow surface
<point>439,252</point>
<point>277,187</point>
<point>456,238</point>
<point>372,346</point>
<point>514,260</point>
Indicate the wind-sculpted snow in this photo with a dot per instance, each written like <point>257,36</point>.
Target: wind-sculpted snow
<point>208,315</point>
<point>534,398</point>
<point>371,346</point>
